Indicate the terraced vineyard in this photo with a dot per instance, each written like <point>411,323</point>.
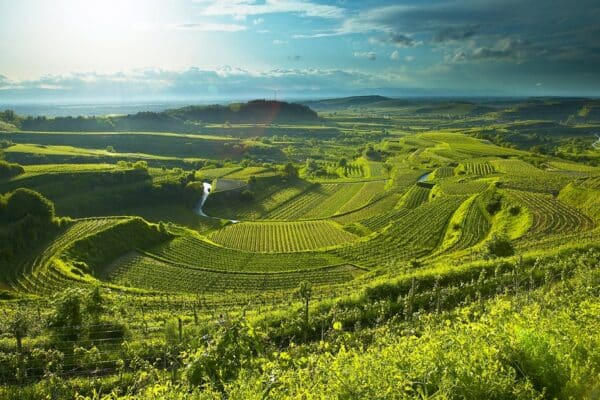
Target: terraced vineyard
<point>462,186</point>
<point>474,227</point>
<point>334,202</point>
<point>411,234</point>
<point>550,216</point>
<point>479,168</point>
<point>40,275</point>
<point>281,237</point>
<point>521,175</point>
<point>416,196</point>
<point>311,200</point>
<point>197,253</point>
<point>443,172</point>
<point>377,207</point>
<point>365,195</point>
<point>145,272</point>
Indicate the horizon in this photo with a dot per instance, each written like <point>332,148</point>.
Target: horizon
<point>53,109</point>
<point>206,51</point>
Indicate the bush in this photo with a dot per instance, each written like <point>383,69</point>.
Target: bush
<point>494,204</point>
<point>500,246</point>
<point>233,347</point>
<point>23,202</point>
<point>514,210</point>
<point>67,319</point>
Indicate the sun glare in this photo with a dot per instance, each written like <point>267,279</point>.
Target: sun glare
<point>104,19</point>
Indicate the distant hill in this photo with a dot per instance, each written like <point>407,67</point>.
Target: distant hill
<point>346,102</point>
<point>186,119</point>
<point>252,112</point>
<point>454,108</point>
<point>554,109</point>
<point>413,106</point>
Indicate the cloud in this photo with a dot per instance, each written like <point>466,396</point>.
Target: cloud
<point>469,29</point>
<point>507,49</point>
<point>195,84</point>
<point>396,39</point>
<point>456,33</point>
<point>211,27</point>
<point>258,21</point>
<point>395,55</point>
<point>369,55</point>
<point>279,42</point>
<point>251,7</point>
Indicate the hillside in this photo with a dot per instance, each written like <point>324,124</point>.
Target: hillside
<point>395,253</point>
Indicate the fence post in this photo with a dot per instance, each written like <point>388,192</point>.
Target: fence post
<point>180,328</point>
<point>18,336</point>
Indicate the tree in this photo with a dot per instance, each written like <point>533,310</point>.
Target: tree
<point>342,162</point>
<point>289,171</point>
<point>252,181</point>
<point>23,202</point>
<point>18,326</point>
<point>372,154</point>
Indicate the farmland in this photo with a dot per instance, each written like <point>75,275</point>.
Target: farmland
<point>377,234</point>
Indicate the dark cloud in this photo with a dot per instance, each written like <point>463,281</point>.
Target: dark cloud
<point>540,31</point>
<point>456,33</point>
<point>506,50</point>
<point>400,40</point>
<point>395,39</point>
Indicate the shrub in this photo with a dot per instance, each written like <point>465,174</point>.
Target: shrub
<point>494,204</point>
<point>232,348</point>
<point>500,246</point>
<point>23,202</point>
<point>66,319</point>
<point>514,210</point>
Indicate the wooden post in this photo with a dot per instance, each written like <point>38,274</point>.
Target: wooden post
<point>180,329</point>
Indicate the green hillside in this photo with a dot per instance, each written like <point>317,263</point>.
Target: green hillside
<point>383,248</point>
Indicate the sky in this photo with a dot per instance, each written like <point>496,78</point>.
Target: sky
<point>130,50</point>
